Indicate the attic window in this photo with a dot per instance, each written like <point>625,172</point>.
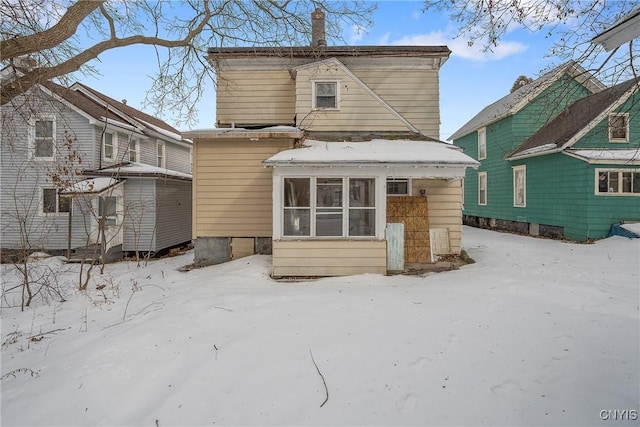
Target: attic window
<point>325,95</point>
<point>619,128</point>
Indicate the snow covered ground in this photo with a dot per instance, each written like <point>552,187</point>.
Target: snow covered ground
<point>536,332</point>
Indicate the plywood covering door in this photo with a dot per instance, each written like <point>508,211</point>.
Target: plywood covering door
<point>413,211</point>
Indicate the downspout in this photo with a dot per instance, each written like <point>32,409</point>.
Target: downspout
<point>69,229</point>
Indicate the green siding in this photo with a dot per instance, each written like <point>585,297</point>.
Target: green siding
<point>560,189</point>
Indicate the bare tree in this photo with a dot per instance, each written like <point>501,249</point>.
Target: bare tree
<point>57,39</point>
<point>571,23</point>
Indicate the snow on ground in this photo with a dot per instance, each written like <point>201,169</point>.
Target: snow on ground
<point>536,332</point>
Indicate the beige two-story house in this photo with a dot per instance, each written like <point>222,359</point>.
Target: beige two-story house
<point>328,158</point>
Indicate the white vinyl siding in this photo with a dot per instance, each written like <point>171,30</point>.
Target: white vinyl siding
<point>520,186</point>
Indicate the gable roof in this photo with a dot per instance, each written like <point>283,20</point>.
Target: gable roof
<point>515,101</point>
<point>127,109</point>
<point>335,62</point>
<point>576,120</point>
<point>329,51</point>
<point>623,31</point>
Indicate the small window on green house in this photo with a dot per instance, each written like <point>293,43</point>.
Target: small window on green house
<point>482,188</point>
<point>520,186</point>
<point>482,143</point>
<point>619,127</point>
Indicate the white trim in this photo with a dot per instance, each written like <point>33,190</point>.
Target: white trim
<point>604,161</point>
<point>32,136</point>
<point>619,192</point>
<point>482,137</point>
<point>486,192</point>
<point>523,169</point>
<point>625,116</point>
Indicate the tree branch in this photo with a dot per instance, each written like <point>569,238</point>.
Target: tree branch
<point>65,28</point>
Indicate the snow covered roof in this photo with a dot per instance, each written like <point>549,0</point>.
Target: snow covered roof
<point>141,170</point>
<point>629,156</point>
<point>243,133</point>
<point>90,186</point>
<point>377,151</point>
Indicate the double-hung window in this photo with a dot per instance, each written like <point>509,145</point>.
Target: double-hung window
<point>520,186</point>
<point>325,95</point>
<point>109,145</point>
<point>619,127</point>
<point>618,182</point>
<point>43,137</point>
<point>329,207</point>
<point>161,160</point>
<point>133,150</point>
<point>107,210</point>
<point>482,188</point>
<point>52,203</point>
<point>482,144</point>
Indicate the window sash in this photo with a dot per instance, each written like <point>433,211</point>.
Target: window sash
<point>133,150</point>
<point>109,146</point>
<point>482,144</point>
<point>398,186</point>
<point>326,95</point>
<point>482,188</point>
<point>621,182</point>
<point>519,186</point>
<point>160,154</point>
<point>107,209</point>
<point>52,203</point>
<point>618,127</point>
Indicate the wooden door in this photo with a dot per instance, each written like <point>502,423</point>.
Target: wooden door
<point>413,211</point>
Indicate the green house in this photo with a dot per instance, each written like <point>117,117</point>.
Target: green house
<point>560,157</point>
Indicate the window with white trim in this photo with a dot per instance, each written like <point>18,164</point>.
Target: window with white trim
<point>43,138</point>
<point>52,203</point>
<point>618,182</point>
<point>398,187</point>
<point>160,149</point>
<point>482,188</point>
<point>107,209</point>
<point>619,127</point>
<point>482,143</point>
<point>134,150</point>
<point>325,95</point>
<point>109,145</point>
<point>329,207</point>
<point>520,186</point>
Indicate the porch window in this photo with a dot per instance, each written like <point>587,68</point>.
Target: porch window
<point>520,186</point>
<point>109,145</point>
<point>482,144</point>
<point>618,182</point>
<point>398,187</point>
<point>107,209</point>
<point>482,188</point>
<point>43,137</point>
<point>329,207</point>
<point>619,127</point>
<point>297,207</point>
<point>325,95</point>
<point>52,203</point>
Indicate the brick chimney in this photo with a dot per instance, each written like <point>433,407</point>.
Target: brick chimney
<point>318,37</point>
